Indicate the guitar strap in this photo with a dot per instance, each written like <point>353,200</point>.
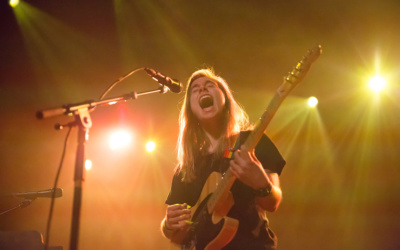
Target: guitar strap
<point>236,145</point>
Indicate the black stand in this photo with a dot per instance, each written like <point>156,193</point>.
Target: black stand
<point>23,204</point>
<point>83,121</point>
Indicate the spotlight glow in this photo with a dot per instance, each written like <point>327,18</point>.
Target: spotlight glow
<point>377,83</point>
<point>88,164</point>
<point>312,101</point>
<point>13,3</point>
<point>150,146</point>
<point>120,139</point>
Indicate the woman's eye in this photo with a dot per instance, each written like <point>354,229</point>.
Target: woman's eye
<point>210,85</point>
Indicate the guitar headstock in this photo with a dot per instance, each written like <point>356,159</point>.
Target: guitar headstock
<point>302,67</point>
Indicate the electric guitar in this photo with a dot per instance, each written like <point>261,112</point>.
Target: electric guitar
<point>211,228</point>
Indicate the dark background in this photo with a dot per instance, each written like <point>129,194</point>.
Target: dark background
<point>341,182</point>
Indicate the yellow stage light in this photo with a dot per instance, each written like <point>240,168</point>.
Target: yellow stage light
<point>13,3</point>
<point>150,146</point>
<point>377,83</point>
<point>312,101</point>
<point>120,139</point>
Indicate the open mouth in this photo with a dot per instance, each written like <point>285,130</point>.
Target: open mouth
<point>206,101</point>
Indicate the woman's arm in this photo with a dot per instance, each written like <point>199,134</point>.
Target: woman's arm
<point>246,167</point>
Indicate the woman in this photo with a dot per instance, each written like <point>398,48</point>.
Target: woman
<point>210,123</point>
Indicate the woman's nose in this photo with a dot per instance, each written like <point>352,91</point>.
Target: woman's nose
<point>203,88</point>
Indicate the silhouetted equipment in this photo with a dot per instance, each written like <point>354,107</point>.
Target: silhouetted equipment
<point>23,240</point>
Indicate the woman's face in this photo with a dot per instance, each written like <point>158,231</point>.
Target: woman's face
<point>207,100</point>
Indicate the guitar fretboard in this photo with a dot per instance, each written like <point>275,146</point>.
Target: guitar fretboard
<point>289,82</point>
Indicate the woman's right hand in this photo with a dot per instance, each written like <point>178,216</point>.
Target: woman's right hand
<point>177,216</point>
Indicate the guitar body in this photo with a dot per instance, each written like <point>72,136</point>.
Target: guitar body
<point>209,231</point>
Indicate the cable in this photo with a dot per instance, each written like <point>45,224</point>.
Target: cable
<point>63,154</point>
<point>118,81</point>
<point>55,186</point>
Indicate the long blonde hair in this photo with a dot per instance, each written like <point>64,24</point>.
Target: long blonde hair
<point>192,139</point>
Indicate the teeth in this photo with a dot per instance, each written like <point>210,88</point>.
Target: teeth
<point>206,101</point>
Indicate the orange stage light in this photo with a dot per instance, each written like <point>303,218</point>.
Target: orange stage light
<point>120,139</point>
<point>150,146</point>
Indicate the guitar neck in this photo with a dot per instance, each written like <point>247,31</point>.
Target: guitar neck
<point>289,82</point>
<point>255,135</point>
<point>262,124</point>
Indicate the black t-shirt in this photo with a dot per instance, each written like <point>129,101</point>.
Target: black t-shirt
<point>253,231</point>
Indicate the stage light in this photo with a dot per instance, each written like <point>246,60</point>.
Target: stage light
<point>13,3</point>
<point>120,139</point>
<point>150,146</point>
<point>312,101</point>
<point>88,164</point>
<point>377,83</point>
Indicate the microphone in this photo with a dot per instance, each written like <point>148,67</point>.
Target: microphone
<point>43,193</point>
<point>173,85</point>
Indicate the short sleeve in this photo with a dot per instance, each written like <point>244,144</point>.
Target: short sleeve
<point>183,192</point>
<point>267,153</point>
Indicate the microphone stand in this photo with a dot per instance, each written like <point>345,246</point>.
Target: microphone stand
<point>23,204</point>
<point>84,123</point>
<point>28,198</point>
